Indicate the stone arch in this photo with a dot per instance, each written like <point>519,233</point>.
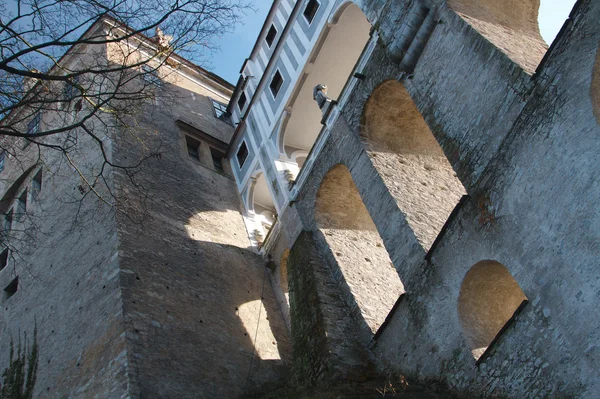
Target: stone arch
<point>595,88</point>
<point>409,160</point>
<point>511,25</point>
<point>365,266</point>
<point>349,30</point>
<point>489,298</point>
<point>14,190</point>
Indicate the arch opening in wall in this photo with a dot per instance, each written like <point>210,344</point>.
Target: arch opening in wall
<point>332,62</point>
<point>409,160</point>
<point>14,191</point>
<point>488,301</point>
<point>552,15</point>
<point>364,263</point>
<point>510,25</point>
<point>262,208</point>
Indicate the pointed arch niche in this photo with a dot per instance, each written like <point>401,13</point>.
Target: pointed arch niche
<point>409,160</point>
<point>331,63</point>
<point>489,299</point>
<point>357,247</point>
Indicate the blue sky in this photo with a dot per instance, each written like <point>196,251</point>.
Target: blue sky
<point>235,47</point>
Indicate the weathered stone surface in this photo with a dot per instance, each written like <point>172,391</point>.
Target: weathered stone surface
<point>525,148</point>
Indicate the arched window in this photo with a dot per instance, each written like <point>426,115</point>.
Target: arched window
<point>357,247</point>
<point>488,300</point>
<point>409,160</point>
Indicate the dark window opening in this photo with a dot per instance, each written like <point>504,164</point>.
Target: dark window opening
<point>242,101</point>
<point>217,158</point>
<point>193,148</point>
<point>33,126</point>
<point>311,10</point>
<point>22,205</point>
<point>220,109</point>
<point>71,90</point>
<point>271,35</point>
<point>276,83</point>
<point>3,259</point>
<point>2,158</point>
<point>36,185</point>
<point>8,218</point>
<point>242,154</point>
<point>11,289</point>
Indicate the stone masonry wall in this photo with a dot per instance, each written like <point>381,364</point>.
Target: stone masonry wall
<point>64,252</point>
<point>326,347</point>
<point>201,316</point>
<point>525,148</point>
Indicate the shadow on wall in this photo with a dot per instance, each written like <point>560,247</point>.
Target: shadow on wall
<point>365,268</point>
<point>194,296</point>
<point>409,160</point>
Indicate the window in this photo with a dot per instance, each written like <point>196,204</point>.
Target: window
<point>11,288</point>
<point>311,10</point>
<point>217,158</point>
<point>271,35</point>
<point>150,76</point>
<point>36,184</point>
<point>2,158</point>
<point>22,205</point>
<point>220,109</point>
<point>71,90</point>
<point>33,126</point>
<point>242,101</point>
<point>276,83</point>
<point>242,154</point>
<point>3,258</point>
<point>193,148</point>
<point>8,221</point>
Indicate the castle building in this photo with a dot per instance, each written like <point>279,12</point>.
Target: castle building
<point>141,281</point>
<point>428,217</point>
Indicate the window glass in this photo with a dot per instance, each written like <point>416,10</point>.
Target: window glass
<point>311,10</point>
<point>271,35</point>
<point>33,126</point>
<point>242,101</point>
<point>220,109</point>
<point>242,154</point>
<point>276,83</point>
<point>193,148</point>
<point>217,158</point>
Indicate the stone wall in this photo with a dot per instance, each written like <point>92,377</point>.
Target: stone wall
<point>201,317</point>
<point>326,347</point>
<point>525,149</point>
<point>64,253</point>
